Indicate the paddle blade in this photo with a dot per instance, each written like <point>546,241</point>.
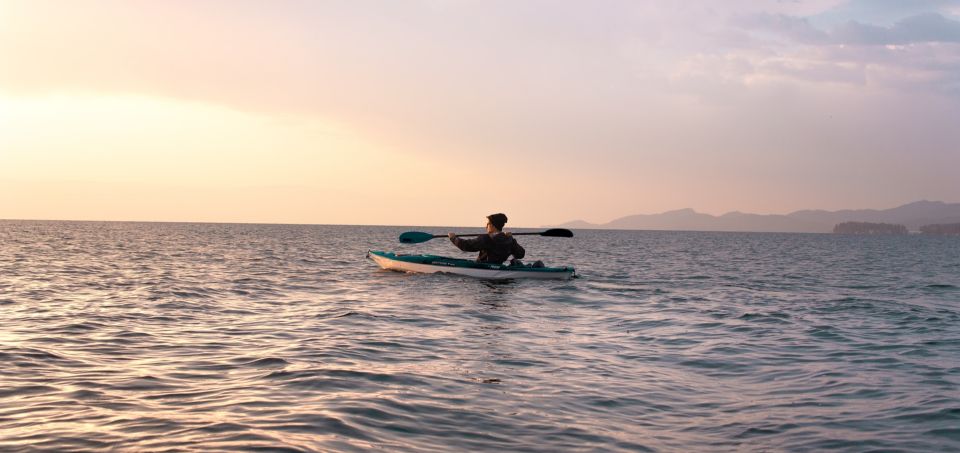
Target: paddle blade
<point>558,233</point>
<point>415,237</point>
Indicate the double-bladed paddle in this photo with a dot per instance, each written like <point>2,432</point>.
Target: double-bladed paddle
<point>416,237</point>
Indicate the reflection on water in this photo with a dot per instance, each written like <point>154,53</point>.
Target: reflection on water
<point>180,337</point>
<point>494,294</point>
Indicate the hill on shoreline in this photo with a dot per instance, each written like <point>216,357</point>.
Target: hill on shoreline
<point>912,215</point>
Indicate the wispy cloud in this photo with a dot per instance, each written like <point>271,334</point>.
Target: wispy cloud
<point>917,52</point>
<point>928,27</point>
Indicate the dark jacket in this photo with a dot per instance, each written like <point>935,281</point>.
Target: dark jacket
<point>493,249</point>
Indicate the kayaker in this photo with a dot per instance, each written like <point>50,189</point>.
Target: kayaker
<point>495,246</point>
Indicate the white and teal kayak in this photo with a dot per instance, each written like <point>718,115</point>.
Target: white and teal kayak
<point>430,264</point>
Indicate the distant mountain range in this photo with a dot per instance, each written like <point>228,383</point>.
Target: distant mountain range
<point>913,216</point>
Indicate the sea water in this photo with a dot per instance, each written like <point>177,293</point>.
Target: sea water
<point>232,337</point>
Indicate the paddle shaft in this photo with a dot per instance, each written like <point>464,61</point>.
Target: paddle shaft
<point>481,234</point>
<point>416,237</point>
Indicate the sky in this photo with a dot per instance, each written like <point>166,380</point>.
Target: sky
<point>440,112</point>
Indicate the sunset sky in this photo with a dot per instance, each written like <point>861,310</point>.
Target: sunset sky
<point>439,112</point>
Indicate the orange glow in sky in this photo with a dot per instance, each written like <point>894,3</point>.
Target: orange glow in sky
<point>439,113</point>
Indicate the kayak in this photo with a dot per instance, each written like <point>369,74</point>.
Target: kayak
<point>430,264</point>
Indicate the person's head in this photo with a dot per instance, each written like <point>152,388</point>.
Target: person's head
<point>495,223</point>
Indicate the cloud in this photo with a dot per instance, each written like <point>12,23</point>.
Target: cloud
<point>917,52</point>
<point>790,28</point>
<point>927,27</point>
<point>880,12</point>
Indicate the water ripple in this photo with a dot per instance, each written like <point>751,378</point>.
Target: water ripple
<point>187,337</point>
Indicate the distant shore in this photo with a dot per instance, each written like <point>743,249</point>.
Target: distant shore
<point>912,216</point>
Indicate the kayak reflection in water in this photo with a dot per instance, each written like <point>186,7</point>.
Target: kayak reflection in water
<point>495,246</point>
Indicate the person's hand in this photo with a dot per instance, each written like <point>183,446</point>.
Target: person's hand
<point>508,233</point>
<point>452,235</point>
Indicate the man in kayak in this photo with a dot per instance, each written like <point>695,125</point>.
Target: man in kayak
<point>495,246</point>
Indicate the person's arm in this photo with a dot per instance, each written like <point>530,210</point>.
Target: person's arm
<point>516,250</point>
<point>467,245</point>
